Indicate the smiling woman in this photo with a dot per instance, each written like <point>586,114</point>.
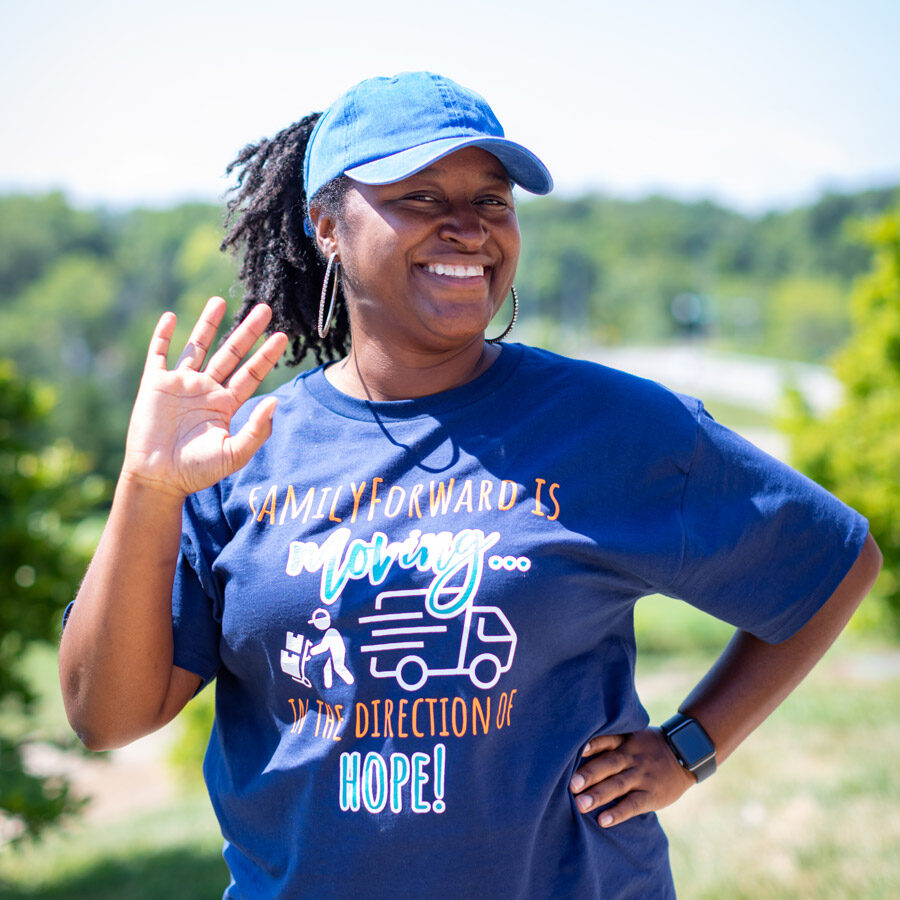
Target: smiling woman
<point>412,570</point>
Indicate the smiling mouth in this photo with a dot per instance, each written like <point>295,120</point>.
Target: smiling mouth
<point>455,271</point>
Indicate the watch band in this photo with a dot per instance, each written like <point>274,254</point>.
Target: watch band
<point>692,746</point>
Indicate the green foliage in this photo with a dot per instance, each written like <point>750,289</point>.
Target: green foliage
<point>610,269</point>
<point>167,853</point>
<point>616,271</point>
<point>188,749</point>
<point>80,293</point>
<point>43,492</point>
<point>807,316</point>
<point>666,628</point>
<point>855,452</point>
<point>35,231</point>
<point>29,803</point>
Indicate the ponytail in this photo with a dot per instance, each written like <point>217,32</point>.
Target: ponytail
<point>280,263</point>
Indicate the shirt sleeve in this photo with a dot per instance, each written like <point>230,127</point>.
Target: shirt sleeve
<point>763,546</point>
<point>197,595</point>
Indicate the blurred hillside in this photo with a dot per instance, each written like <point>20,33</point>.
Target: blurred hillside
<point>81,289</point>
<point>619,272</point>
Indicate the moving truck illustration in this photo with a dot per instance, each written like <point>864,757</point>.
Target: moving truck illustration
<point>411,645</point>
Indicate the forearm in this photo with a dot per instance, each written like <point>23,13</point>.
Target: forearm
<point>626,775</point>
<point>116,656</point>
<point>751,678</point>
<point>116,651</point>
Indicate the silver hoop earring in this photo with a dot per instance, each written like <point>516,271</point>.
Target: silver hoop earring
<point>325,320</point>
<point>512,321</point>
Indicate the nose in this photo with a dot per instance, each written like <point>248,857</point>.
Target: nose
<point>463,225</point>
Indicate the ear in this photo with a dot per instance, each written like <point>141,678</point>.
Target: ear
<point>325,230</point>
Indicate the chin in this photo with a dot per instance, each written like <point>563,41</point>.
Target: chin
<point>460,331</point>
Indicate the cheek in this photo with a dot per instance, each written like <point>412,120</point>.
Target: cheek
<point>367,266</point>
<point>362,253</point>
<point>515,255</point>
<point>512,247</point>
<point>512,244</point>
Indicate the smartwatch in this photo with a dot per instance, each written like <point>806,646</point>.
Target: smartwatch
<point>692,746</point>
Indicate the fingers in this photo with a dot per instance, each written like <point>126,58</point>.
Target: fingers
<point>603,742</point>
<point>253,435</point>
<point>626,775</point>
<point>247,379</point>
<point>227,359</point>
<point>631,805</point>
<point>158,351</point>
<point>203,334</point>
<point>603,777</point>
<point>612,787</point>
<point>239,343</point>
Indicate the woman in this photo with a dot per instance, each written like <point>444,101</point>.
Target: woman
<point>412,571</point>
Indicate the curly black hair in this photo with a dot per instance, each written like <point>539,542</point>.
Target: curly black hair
<point>280,263</point>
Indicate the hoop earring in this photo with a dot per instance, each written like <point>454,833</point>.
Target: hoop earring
<point>512,322</point>
<point>325,320</point>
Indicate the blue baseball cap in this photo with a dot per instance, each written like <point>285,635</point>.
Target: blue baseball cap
<point>386,129</point>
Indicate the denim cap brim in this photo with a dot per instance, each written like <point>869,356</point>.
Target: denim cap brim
<point>524,168</point>
<point>386,129</point>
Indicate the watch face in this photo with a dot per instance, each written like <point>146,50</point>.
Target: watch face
<point>692,744</point>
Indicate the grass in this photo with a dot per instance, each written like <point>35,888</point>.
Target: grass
<point>175,853</point>
<point>807,808</point>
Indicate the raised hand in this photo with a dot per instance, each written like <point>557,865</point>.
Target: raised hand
<point>178,438</point>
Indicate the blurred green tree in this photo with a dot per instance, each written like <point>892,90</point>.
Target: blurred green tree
<point>807,316</point>
<point>35,231</point>
<point>855,451</point>
<point>43,495</point>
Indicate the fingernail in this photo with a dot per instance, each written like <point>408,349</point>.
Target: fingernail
<point>606,820</point>
<point>577,782</point>
<point>584,803</point>
<point>587,748</point>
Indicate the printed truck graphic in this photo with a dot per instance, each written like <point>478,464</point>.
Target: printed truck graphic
<point>411,645</point>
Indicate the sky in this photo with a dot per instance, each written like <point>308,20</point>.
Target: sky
<point>754,105</point>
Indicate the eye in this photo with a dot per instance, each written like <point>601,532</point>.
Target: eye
<point>494,202</point>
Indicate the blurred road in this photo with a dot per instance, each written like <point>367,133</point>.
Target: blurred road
<point>751,381</point>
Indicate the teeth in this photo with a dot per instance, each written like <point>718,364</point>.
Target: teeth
<point>455,271</point>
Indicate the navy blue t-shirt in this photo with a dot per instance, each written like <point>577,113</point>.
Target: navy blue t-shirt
<point>418,612</point>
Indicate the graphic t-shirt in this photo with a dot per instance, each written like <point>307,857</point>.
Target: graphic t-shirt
<point>418,612</point>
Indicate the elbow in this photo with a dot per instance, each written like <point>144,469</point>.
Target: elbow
<point>96,730</point>
<point>89,731</point>
<point>97,735</point>
<point>868,565</point>
<point>870,561</point>
<point>857,582</point>
<point>106,717</point>
<point>92,741</point>
<point>878,557</point>
<point>86,727</point>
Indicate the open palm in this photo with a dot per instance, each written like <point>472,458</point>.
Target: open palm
<point>179,438</point>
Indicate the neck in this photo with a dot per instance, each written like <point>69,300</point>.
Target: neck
<point>370,373</point>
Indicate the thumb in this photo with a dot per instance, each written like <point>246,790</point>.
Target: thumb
<point>253,435</point>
